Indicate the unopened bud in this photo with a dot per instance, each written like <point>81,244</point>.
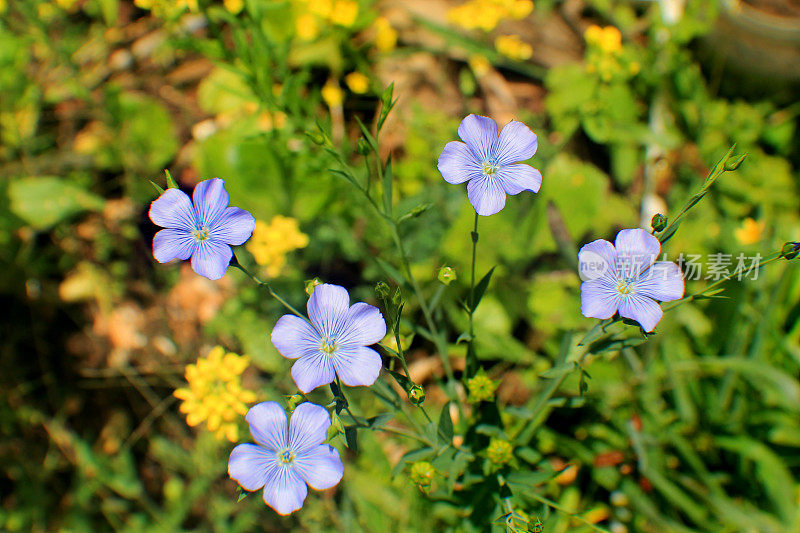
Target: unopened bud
<point>397,297</point>
<point>382,290</point>
<point>363,147</point>
<point>422,473</point>
<point>336,423</point>
<point>317,137</point>
<point>294,400</point>
<point>500,452</point>
<point>447,275</point>
<point>733,164</point>
<point>481,388</point>
<point>311,284</point>
<point>658,222</point>
<point>416,394</point>
<point>790,250</point>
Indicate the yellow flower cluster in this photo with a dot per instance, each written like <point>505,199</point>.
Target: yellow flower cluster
<point>607,57</point>
<point>215,393</point>
<point>487,14</point>
<point>271,242</point>
<point>514,47</point>
<point>607,39</point>
<point>332,93</point>
<point>312,15</point>
<point>385,35</point>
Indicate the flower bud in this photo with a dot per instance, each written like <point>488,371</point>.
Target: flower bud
<point>499,452</point>
<point>311,284</point>
<point>659,222</point>
<point>397,297</point>
<point>481,388</point>
<point>363,147</point>
<point>336,422</point>
<point>317,137</point>
<point>733,164</point>
<point>382,290</point>
<point>416,394</point>
<point>447,275</point>
<point>294,400</point>
<point>422,473</point>
<point>790,250</point>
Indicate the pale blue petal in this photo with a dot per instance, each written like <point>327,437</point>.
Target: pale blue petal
<point>596,259</point>
<point>516,143</point>
<point>312,371</point>
<point>636,251</point>
<point>248,465</point>
<point>234,226</point>
<point>268,425</point>
<point>308,427</point>
<point>173,209</point>
<point>169,244</point>
<point>284,491</point>
<point>293,337</point>
<point>320,467</point>
<point>364,325</point>
<point>486,195</point>
<point>458,164</point>
<point>642,309</point>
<point>480,134</point>
<point>211,258</point>
<point>517,178</point>
<point>210,200</point>
<point>663,281</point>
<point>599,297</point>
<point>326,308</point>
<point>357,366</point>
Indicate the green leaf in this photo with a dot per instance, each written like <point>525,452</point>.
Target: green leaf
<point>446,424</point>
<point>157,187</point>
<point>43,202</point>
<point>170,180</point>
<point>387,187</point>
<point>480,289</point>
<point>351,438</point>
<point>368,136</point>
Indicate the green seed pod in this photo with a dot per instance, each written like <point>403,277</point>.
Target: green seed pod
<point>659,222</point>
<point>447,275</point>
<point>790,250</point>
<point>416,394</point>
<point>363,147</point>
<point>421,474</point>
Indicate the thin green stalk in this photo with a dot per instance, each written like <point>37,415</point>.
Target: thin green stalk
<point>287,305</point>
<point>474,235</point>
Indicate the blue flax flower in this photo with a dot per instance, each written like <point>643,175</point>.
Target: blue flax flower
<point>335,342</point>
<point>487,162</point>
<point>286,460</point>
<point>203,228</point>
<point>626,277</point>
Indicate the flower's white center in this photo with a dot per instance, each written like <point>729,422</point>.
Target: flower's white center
<point>286,456</point>
<point>328,346</point>
<point>624,288</point>
<point>201,234</point>
<point>489,168</point>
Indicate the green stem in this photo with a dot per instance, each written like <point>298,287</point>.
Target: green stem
<point>474,235</point>
<point>235,263</point>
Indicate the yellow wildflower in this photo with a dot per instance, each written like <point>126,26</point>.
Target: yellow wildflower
<point>607,39</point>
<point>271,242</point>
<point>306,26</point>
<point>344,12</point>
<point>215,394</point>
<point>234,6</point>
<point>520,9</point>
<point>3,6</point>
<point>385,35</point>
<point>750,232</point>
<point>332,94</point>
<point>479,65</point>
<point>320,8</point>
<point>512,46</point>
<point>357,82</point>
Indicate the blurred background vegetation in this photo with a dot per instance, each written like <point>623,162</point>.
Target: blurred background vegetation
<point>696,430</point>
